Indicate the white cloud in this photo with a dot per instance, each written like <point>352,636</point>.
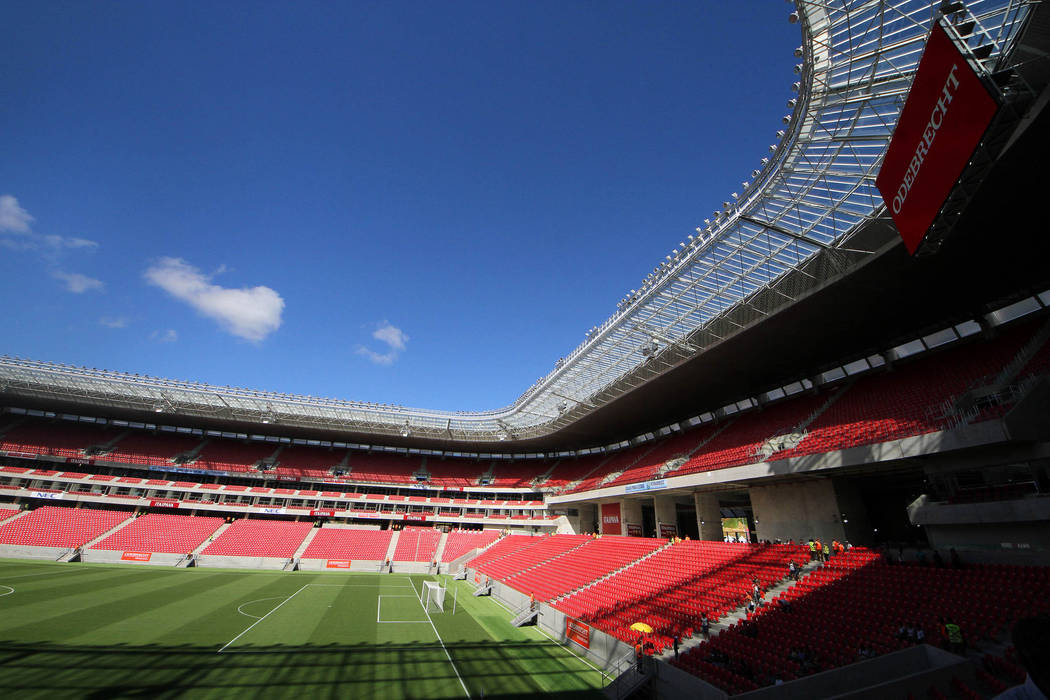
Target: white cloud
<point>395,340</point>
<point>168,336</point>
<point>113,322</point>
<point>13,218</point>
<point>78,283</point>
<point>251,313</point>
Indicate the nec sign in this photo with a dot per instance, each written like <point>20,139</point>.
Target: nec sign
<point>947,113</point>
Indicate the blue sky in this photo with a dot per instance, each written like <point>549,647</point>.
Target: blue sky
<point>402,202</point>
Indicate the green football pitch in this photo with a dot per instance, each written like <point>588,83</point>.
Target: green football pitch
<point>101,631</point>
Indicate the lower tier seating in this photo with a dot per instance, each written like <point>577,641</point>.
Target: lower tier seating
<point>460,542</point>
<point>347,543</point>
<point>53,526</point>
<point>259,538</point>
<point>417,544</point>
<point>160,532</point>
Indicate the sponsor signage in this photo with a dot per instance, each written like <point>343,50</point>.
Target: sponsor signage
<point>415,516</point>
<point>47,494</point>
<point>21,455</point>
<point>323,512</point>
<point>166,504</point>
<point>477,577</point>
<point>947,112</point>
<point>668,530</point>
<point>611,519</point>
<point>274,511</point>
<point>79,460</point>
<point>337,564</point>
<point>578,632</point>
<point>136,556</point>
<point>634,530</point>
<point>645,486</point>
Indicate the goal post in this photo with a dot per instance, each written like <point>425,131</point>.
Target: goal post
<point>433,596</point>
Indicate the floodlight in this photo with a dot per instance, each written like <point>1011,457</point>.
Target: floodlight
<point>793,18</point>
<point>791,103</point>
<point>799,67</point>
<point>799,52</point>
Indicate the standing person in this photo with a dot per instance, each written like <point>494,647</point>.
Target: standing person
<point>792,570</point>
<point>675,640</point>
<point>705,626</point>
<point>639,655</point>
<point>812,549</point>
<point>1031,640</point>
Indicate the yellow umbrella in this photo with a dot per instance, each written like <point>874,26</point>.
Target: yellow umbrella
<point>642,627</point>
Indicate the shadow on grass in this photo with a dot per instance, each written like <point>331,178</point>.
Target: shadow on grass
<point>380,670</point>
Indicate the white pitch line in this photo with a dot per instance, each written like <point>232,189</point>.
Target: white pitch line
<point>257,600</point>
<point>442,642</point>
<point>9,591</point>
<point>261,619</point>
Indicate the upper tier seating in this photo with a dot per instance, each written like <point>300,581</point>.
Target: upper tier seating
<point>260,538</point>
<point>548,547</point>
<point>597,557</point>
<point>673,587</point>
<point>161,532</point>
<point>384,468</point>
<point>308,462</point>
<point>567,471</point>
<point>455,472</point>
<point>53,526</point>
<point>460,542</point>
<point>417,544</point>
<point>150,450</point>
<point>856,599</point>
<point>231,456</point>
<point>58,438</point>
<point>346,543</point>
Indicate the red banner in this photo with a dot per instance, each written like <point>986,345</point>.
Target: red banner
<point>164,504</point>
<point>578,632</point>
<point>415,516</point>
<point>337,564</point>
<point>634,530</point>
<point>136,556</point>
<point>947,112</point>
<point>323,512</point>
<point>611,519</point>
<point>668,530</point>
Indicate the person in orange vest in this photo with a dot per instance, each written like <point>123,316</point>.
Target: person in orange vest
<point>638,655</point>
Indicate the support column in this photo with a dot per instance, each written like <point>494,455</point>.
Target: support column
<point>666,516</point>
<point>632,516</point>
<point>801,510</point>
<point>708,516</point>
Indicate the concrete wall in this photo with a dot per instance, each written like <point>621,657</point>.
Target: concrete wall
<point>111,556</point>
<point>632,513</point>
<point>797,511</point>
<point>666,512</point>
<point>708,516</point>
<point>895,675</point>
<point>15,551</point>
<point>605,651</point>
<point>355,565</point>
<point>671,682</point>
<point>268,563</point>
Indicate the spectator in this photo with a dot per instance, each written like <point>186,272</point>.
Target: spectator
<point>705,626</point>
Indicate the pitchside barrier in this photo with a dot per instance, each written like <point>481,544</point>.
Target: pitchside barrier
<point>114,556</point>
<point>222,562</point>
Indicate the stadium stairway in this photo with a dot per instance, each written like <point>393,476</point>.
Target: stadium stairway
<point>106,447</point>
<point>211,538</point>
<point>390,550</point>
<point>305,543</point>
<point>440,551</point>
<point>15,516</point>
<point>573,484</point>
<point>741,613</point>
<point>542,478</point>
<point>613,476</point>
<point>673,464</point>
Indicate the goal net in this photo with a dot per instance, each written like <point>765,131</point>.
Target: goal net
<point>433,596</point>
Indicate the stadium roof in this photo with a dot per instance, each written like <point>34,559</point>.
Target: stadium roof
<point>807,215</point>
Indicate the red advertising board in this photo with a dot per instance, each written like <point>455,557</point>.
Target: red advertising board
<point>415,516</point>
<point>578,632</point>
<point>136,556</point>
<point>634,530</point>
<point>337,564</point>
<point>611,519</point>
<point>323,512</point>
<point>668,530</point>
<point>947,112</point>
<point>164,504</point>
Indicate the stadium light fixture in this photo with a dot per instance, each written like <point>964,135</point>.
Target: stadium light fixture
<point>405,430</point>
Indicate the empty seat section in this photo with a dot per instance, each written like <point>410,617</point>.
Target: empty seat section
<point>856,599</point>
<point>517,474</point>
<point>259,538</point>
<point>52,526</point>
<point>460,542</point>
<point>308,462</point>
<point>60,439</point>
<point>506,546</point>
<point>231,456</point>
<point>455,472</point>
<point>567,471</point>
<point>383,468</point>
<point>346,543</point>
<point>6,513</point>
<point>596,558</point>
<point>417,544</point>
<point>671,589</point>
<point>548,547</point>
<point>148,449</point>
<point>160,532</point>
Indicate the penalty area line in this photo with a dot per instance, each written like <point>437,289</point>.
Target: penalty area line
<point>261,619</point>
<point>442,642</point>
